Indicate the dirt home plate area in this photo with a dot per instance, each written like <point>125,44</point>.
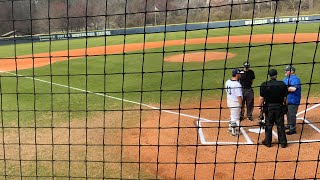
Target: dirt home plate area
<point>189,151</point>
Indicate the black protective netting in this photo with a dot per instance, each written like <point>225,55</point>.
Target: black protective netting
<point>135,89</point>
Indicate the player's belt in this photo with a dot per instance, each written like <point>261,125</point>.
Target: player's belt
<point>273,104</point>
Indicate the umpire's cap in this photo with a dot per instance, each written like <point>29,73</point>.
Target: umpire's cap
<point>273,72</point>
<point>290,68</point>
<point>246,64</point>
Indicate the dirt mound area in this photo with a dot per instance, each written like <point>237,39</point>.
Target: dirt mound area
<point>199,57</point>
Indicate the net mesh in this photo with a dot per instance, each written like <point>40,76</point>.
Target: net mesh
<point>119,89</point>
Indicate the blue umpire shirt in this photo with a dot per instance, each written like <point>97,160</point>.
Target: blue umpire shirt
<point>293,81</point>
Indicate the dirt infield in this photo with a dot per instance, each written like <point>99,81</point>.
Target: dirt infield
<point>167,145</point>
<point>43,59</point>
<point>180,148</point>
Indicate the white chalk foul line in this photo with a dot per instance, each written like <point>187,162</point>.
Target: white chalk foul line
<point>111,97</point>
<point>303,141</point>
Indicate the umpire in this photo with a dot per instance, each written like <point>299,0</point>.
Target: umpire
<point>246,81</point>
<point>273,95</point>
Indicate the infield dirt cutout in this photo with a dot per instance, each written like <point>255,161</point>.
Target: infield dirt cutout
<point>167,145</point>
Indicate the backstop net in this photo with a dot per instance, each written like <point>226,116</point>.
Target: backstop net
<point>135,89</point>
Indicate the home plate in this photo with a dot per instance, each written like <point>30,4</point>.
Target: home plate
<point>256,130</point>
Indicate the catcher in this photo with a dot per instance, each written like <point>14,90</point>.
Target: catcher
<point>273,95</point>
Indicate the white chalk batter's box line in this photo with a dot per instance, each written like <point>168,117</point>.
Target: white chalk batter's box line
<point>246,136</point>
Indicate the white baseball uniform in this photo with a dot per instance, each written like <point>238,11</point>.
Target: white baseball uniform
<point>234,90</point>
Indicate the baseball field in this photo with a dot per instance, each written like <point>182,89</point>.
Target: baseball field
<point>153,106</point>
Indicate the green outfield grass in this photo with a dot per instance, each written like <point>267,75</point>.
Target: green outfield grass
<point>28,103</point>
<point>88,74</point>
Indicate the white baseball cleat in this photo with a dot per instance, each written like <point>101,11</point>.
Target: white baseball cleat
<point>234,132</point>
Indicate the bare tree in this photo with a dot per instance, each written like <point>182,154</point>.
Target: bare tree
<point>311,4</point>
<point>36,16</point>
<point>97,12</point>
<point>136,15</point>
<point>40,21</point>
<point>78,13</point>
<point>115,13</point>
<point>58,15</point>
<point>5,17</point>
<point>295,4</point>
<point>22,16</point>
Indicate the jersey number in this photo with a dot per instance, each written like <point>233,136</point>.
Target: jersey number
<point>229,90</point>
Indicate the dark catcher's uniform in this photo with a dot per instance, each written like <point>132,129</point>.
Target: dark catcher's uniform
<point>274,93</point>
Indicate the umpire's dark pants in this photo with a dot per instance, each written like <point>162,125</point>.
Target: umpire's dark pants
<point>274,115</point>
<point>248,100</point>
